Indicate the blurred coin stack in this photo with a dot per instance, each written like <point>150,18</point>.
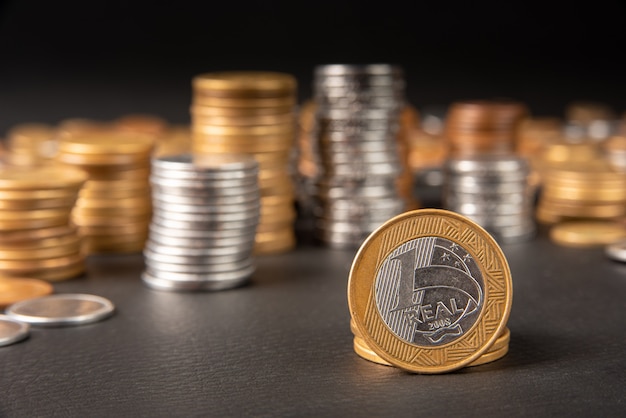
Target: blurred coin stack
<point>589,122</point>
<point>206,211</point>
<point>498,350</point>
<point>615,151</point>
<point>357,152</point>
<point>587,189</point>
<point>114,207</point>
<point>253,113</point>
<point>37,238</point>
<point>483,127</point>
<point>31,144</point>
<point>493,191</point>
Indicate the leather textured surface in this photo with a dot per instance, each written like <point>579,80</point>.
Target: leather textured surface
<point>281,346</point>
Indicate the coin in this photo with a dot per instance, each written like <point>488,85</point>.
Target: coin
<point>430,291</point>
<point>62,310</point>
<point>587,233</point>
<point>245,83</point>
<point>17,289</point>
<point>12,331</point>
<point>617,251</point>
<point>21,179</point>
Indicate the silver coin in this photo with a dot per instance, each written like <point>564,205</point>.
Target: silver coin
<point>207,209</point>
<point>158,197</point>
<point>154,258</point>
<point>205,193</point>
<point>361,158</point>
<point>362,170</point>
<point>347,227</point>
<point>474,186</point>
<point>208,225</point>
<point>196,249</point>
<point>154,264</point>
<point>12,330</point>
<point>617,251</point>
<point>204,242</point>
<point>244,183</point>
<point>367,192</point>
<point>501,221</point>
<point>358,206</point>
<point>488,165</point>
<point>249,231</point>
<point>209,177</point>
<point>205,217</point>
<point>164,283</point>
<point>351,70</point>
<point>488,208</point>
<point>341,115</point>
<point>206,163</point>
<point>356,184</point>
<point>388,137</point>
<point>197,253</point>
<point>62,310</point>
<point>358,102</point>
<point>390,148</point>
<point>455,198</point>
<point>205,277</point>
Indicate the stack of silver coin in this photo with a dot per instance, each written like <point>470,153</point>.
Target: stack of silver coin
<point>492,190</point>
<point>206,211</point>
<point>355,143</point>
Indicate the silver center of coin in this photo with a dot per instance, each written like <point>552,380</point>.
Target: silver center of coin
<point>429,291</point>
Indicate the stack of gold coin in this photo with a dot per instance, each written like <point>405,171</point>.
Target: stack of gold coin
<point>615,150</point>
<point>37,238</point>
<point>31,144</point>
<point>430,291</point>
<point>142,124</point>
<point>253,113</point>
<point>582,185</point>
<point>114,207</point>
<point>483,127</point>
<point>408,123</point>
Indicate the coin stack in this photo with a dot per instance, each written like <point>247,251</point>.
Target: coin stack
<point>430,291</point>
<point>480,127</point>
<point>590,189</point>
<point>615,151</point>
<point>253,113</point>
<point>356,127</point>
<point>492,190</point>
<point>37,238</point>
<point>206,211</point>
<point>114,207</point>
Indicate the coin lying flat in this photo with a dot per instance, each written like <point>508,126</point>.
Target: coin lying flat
<point>587,233</point>
<point>617,251</point>
<point>62,310</point>
<point>12,331</point>
<point>430,291</point>
<point>16,290</point>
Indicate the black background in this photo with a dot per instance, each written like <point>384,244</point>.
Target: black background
<point>75,58</point>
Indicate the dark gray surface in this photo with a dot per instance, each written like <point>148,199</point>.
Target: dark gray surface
<point>282,347</point>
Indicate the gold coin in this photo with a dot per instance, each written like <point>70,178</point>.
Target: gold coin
<point>274,247</point>
<point>102,159</point>
<point>198,119</point>
<point>490,356</point>
<point>106,202</point>
<point>41,178</point>
<point>238,102</point>
<point>65,246</point>
<point>277,217</point>
<point>216,147</point>
<point>62,273</point>
<point>55,237</point>
<point>430,291</point>
<point>108,186</point>
<point>141,124</point>
<point>109,212</point>
<point>119,175</point>
<point>140,228</point>
<point>114,193</point>
<point>245,131</point>
<point>109,143</point>
<point>245,83</point>
<point>33,204</point>
<point>33,219</point>
<point>587,233</point>
<point>38,194</point>
<point>82,220</point>
<point>363,351</point>
<point>29,266</point>
<point>21,237</point>
<point>202,111</point>
<point>14,290</point>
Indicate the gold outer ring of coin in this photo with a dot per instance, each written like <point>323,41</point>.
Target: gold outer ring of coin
<point>14,290</point>
<point>587,233</point>
<point>483,250</point>
<point>502,341</point>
